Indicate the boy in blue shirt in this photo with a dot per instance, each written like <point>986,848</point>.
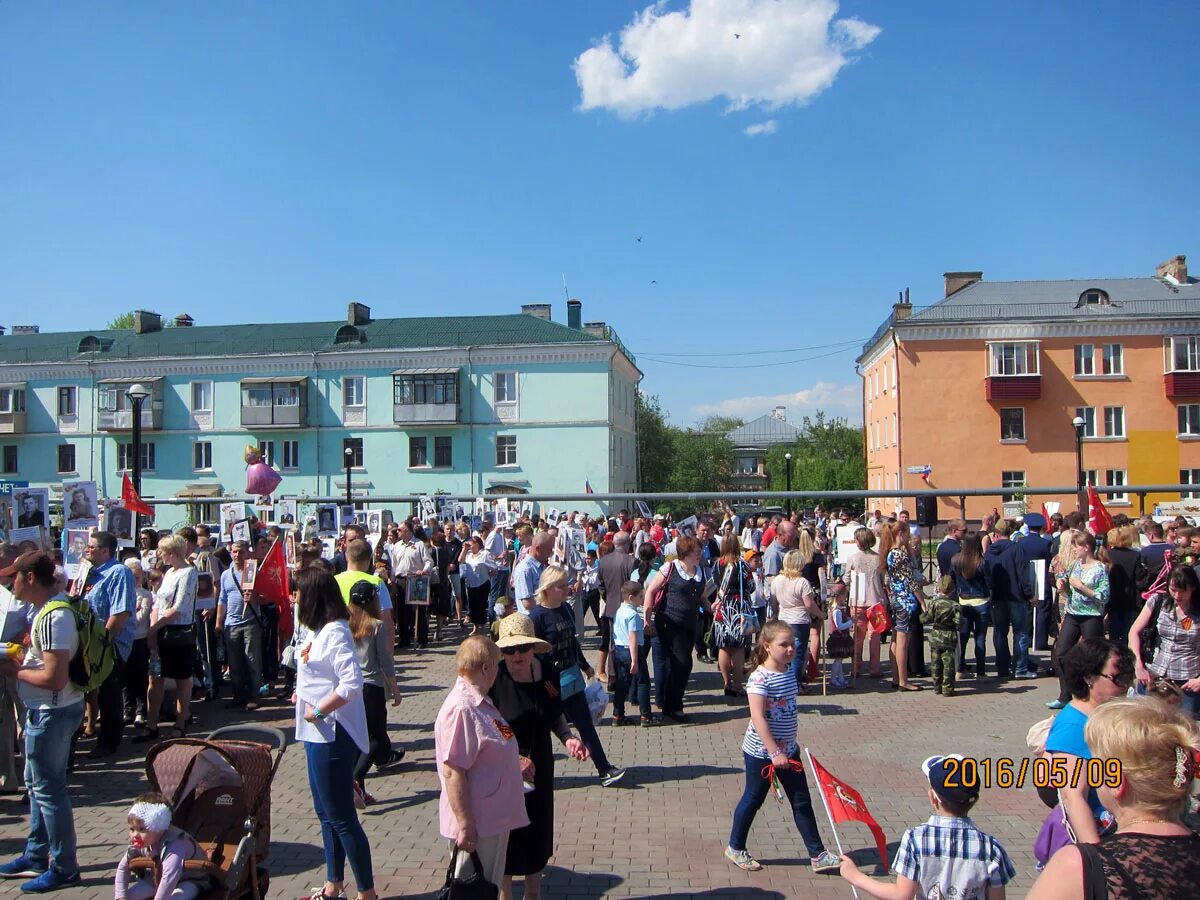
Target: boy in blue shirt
<point>631,652</point>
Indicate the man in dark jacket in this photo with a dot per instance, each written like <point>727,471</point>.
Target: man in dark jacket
<point>1036,546</point>
<point>956,530</point>
<point>1013,591</point>
<point>615,569</point>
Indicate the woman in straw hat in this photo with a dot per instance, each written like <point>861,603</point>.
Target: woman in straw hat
<point>528,700</point>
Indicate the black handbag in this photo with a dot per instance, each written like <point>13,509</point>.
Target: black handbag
<point>474,887</point>
<point>176,637</point>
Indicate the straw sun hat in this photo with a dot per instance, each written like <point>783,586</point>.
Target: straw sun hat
<point>516,630</point>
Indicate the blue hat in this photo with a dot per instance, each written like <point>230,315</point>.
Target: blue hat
<point>947,779</point>
<point>1035,520</point>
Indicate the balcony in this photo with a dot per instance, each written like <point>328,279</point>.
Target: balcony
<point>122,419</point>
<point>12,408</point>
<point>1013,387</point>
<point>280,402</point>
<point>1182,384</point>
<point>425,396</point>
<point>114,410</point>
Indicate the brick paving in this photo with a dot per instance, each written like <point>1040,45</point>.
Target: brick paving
<point>660,832</point>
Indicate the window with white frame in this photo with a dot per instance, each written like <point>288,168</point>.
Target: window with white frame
<point>125,457</point>
<point>1012,478</point>
<point>1007,359</point>
<point>1116,478</point>
<point>1183,354</point>
<point>1085,359</point>
<point>66,459</point>
<point>1190,476</point>
<point>895,430</point>
<point>443,456</point>
<point>1112,360</point>
<point>418,451</point>
<point>506,450</point>
<point>1114,421</point>
<point>1088,414</point>
<point>68,396</point>
<point>354,391</point>
<point>895,381</point>
<point>1189,419</point>
<point>202,396</point>
<point>266,449</point>
<point>355,446</point>
<point>1012,424</point>
<point>202,456</point>
<point>883,376</point>
<point>12,400</point>
<point>291,454</point>
<point>504,387</point>
<point>1089,476</point>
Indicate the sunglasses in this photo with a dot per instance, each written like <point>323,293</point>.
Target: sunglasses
<point>1121,681</point>
<point>513,651</point>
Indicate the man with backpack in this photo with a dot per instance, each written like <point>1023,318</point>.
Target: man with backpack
<point>54,711</point>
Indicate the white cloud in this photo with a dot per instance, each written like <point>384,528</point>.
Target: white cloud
<point>787,52</point>
<point>836,400</point>
<point>768,127</point>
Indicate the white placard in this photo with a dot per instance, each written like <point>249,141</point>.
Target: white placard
<point>844,543</point>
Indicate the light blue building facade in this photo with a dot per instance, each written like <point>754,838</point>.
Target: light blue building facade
<point>515,404</point>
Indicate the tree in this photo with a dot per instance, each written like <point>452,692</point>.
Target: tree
<point>655,439</point>
<point>702,462</point>
<point>721,425</point>
<point>827,456</point>
<point>124,322</point>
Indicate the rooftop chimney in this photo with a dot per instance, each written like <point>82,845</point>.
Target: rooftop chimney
<point>26,329</point>
<point>1,331</point>
<point>1175,269</point>
<point>358,314</point>
<point>956,281</point>
<point>902,309</point>
<point>183,320</point>
<point>539,310</point>
<point>145,322</point>
<point>778,413</point>
<point>574,314</point>
<point>596,329</point>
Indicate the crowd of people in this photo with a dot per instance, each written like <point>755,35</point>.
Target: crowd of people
<point>764,599</point>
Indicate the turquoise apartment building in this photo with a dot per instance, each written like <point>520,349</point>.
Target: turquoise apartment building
<point>515,404</point>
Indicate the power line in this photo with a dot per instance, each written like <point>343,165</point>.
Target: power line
<point>855,342</point>
<point>789,362</point>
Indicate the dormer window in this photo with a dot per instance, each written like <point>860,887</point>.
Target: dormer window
<point>348,334</point>
<point>89,344</point>
<point>1093,297</point>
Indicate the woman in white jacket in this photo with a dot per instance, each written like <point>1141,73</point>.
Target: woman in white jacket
<point>332,724</point>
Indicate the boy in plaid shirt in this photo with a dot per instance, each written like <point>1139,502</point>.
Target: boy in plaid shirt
<point>948,856</point>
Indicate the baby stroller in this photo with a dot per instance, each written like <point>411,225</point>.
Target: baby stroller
<point>220,791</point>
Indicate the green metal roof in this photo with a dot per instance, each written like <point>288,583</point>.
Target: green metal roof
<point>291,337</point>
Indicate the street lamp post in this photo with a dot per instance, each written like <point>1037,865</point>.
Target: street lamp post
<point>787,458</point>
<point>137,394</point>
<point>349,455</point>
<point>1080,481</point>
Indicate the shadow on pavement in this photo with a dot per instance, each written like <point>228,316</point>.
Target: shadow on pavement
<point>290,858</point>
<point>753,893</point>
<point>639,776</point>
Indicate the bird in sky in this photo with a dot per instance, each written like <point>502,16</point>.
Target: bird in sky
<point>639,238</point>
<point>736,36</point>
<point>653,281</point>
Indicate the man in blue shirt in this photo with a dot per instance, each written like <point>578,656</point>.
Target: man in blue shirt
<point>529,571</point>
<point>109,591</point>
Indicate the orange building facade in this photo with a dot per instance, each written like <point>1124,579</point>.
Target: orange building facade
<point>981,389</point>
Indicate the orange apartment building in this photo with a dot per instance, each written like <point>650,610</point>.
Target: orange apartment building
<point>982,387</point>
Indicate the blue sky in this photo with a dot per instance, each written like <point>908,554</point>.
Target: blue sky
<point>271,161</point>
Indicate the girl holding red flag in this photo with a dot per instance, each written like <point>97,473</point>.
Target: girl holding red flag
<point>771,753</point>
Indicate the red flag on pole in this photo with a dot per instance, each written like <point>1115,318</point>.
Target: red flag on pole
<point>844,804</point>
<point>271,582</point>
<point>1099,521</point>
<point>132,501</point>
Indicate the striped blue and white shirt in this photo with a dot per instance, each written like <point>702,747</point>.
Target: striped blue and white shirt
<point>951,857</point>
<point>780,690</point>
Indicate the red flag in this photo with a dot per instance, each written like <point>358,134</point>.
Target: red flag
<point>1099,521</point>
<point>587,486</point>
<point>131,500</point>
<point>271,582</point>
<point>845,804</point>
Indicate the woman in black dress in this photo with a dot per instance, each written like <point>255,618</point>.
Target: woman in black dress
<point>531,707</point>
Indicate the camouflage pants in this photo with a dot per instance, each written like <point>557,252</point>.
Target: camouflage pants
<point>944,664</point>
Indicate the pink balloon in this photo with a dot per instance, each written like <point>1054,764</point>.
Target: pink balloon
<point>261,479</point>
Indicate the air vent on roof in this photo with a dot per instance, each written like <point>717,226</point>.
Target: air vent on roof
<point>348,334</point>
<point>145,321</point>
<point>596,329</point>
<point>183,320</point>
<point>358,314</point>
<point>26,329</point>
<point>541,310</point>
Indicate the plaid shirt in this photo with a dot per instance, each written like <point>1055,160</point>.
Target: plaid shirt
<point>1178,654</point>
<point>950,857</point>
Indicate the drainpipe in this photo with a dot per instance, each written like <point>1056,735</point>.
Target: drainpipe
<point>471,422</point>
<point>317,471</point>
<point>896,391</point>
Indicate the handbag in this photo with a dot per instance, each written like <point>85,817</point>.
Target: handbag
<point>1150,632</point>
<point>571,682</point>
<point>176,637</point>
<point>473,887</point>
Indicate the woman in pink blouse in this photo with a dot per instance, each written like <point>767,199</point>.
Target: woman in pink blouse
<point>479,765</point>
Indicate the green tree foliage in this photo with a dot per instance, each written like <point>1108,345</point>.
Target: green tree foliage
<point>721,425</point>
<point>655,444</point>
<point>124,322</point>
<point>677,460</point>
<point>827,457</point>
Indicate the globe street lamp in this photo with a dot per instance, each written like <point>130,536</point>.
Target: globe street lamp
<point>787,458</point>
<point>137,394</point>
<point>1080,481</point>
<point>349,454</point>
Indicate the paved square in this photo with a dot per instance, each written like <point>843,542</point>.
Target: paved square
<point>661,832</point>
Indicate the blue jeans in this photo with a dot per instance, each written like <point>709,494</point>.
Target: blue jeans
<point>660,670</point>
<point>48,734</point>
<point>795,786</point>
<point>1019,615</point>
<point>632,688</point>
<point>800,663</point>
<point>974,620</point>
<point>331,780</point>
<point>499,589</point>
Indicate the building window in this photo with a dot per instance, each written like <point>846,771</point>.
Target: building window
<point>125,457</point>
<point>1089,476</point>
<point>1114,421</point>
<point>895,431</point>
<point>1012,424</point>
<point>12,400</point>
<point>66,400</point>
<point>883,377</point>
<point>441,388</point>
<point>506,450</point>
<point>1092,298</point>
<point>1088,414</point>
<point>1189,419</point>
<point>1190,476</point>
<point>1116,478</point>
<point>202,396</point>
<point>1184,354</point>
<point>291,454</point>
<point>266,449</point>
<point>10,459</point>
<point>1085,359</point>
<point>202,456</point>
<point>505,387</point>
<point>66,458</point>
<point>418,452</point>
<point>1012,479</point>
<point>355,446</point>
<point>1006,359</point>
<point>443,452</point>
<point>1113,360</point>
<point>354,391</point>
